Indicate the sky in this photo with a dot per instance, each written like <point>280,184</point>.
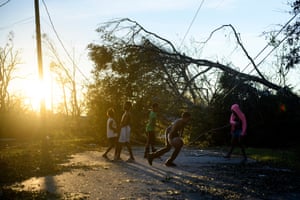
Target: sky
<point>184,23</point>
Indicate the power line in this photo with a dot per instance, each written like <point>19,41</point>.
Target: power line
<point>195,16</point>
<point>288,22</point>
<point>22,21</point>
<point>268,44</point>
<point>3,4</point>
<point>60,41</point>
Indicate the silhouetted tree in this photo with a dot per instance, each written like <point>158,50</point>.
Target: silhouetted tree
<point>66,77</point>
<point>292,31</point>
<point>139,62</point>
<point>9,59</point>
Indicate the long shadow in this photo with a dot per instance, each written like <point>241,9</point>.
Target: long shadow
<point>179,181</point>
<point>47,166</point>
<point>38,188</point>
<point>217,181</point>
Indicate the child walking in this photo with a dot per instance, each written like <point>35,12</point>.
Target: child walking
<point>124,138</point>
<point>150,130</point>
<point>111,131</point>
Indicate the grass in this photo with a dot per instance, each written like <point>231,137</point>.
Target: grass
<point>276,157</point>
<point>20,161</point>
<point>287,158</point>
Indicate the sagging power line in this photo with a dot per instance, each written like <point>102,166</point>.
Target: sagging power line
<point>60,41</point>
<point>268,54</point>
<point>195,16</point>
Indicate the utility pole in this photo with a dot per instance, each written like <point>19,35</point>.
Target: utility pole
<point>40,61</point>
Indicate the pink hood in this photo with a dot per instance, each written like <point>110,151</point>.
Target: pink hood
<point>241,115</point>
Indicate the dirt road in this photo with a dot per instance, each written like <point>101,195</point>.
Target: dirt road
<point>199,175</point>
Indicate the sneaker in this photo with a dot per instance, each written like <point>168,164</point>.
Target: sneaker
<point>170,164</point>
<point>150,158</point>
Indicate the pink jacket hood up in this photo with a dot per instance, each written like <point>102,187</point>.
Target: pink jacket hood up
<point>241,115</point>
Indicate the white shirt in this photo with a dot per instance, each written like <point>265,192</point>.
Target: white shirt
<point>109,131</point>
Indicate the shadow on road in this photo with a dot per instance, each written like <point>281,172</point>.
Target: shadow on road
<point>199,175</point>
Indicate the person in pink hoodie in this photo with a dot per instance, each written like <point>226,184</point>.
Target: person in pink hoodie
<point>238,124</point>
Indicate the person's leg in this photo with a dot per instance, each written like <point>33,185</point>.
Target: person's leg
<point>232,146</point>
<point>152,141</point>
<point>242,147</point>
<point>158,153</point>
<point>243,151</point>
<point>118,151</point>
<point>235,139</point>
<point>174,155</point>
<point>127,142</point>
<point>147,146</point>
<point>111,145</point>
<point>121,141</point>
<point>177,143</point>
<point>129,151</point>
<point>161,151</point>
<point>116,144</point>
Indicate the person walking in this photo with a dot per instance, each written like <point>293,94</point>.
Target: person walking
<point>124,138</point>
<point>172,139</point>
<point>150,130</point>
<point>111,132</point>
<point>238,124</point>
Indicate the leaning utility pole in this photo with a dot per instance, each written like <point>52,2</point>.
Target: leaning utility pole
<point>40,60</point>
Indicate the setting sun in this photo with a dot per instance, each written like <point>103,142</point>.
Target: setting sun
<point>34,92</point>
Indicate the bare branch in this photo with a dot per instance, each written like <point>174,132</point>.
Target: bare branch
<point>239,43</point>
<point>172,59</point>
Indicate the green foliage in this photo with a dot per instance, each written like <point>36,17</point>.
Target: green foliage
<point>133,66</point>
<point>291,56</point>
<point>126,73</point>
<point>18,125</point>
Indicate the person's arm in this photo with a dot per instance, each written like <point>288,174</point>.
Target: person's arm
<point>242,117</point>
<point>125,120</point>
<point>244,123</point>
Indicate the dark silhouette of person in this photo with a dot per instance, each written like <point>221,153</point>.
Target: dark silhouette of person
<point>238,131</point>
<point>172,139</point>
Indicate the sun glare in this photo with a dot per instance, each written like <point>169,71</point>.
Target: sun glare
<point>35,91</point>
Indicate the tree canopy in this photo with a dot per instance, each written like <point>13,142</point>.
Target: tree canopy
<point>132,63</point>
